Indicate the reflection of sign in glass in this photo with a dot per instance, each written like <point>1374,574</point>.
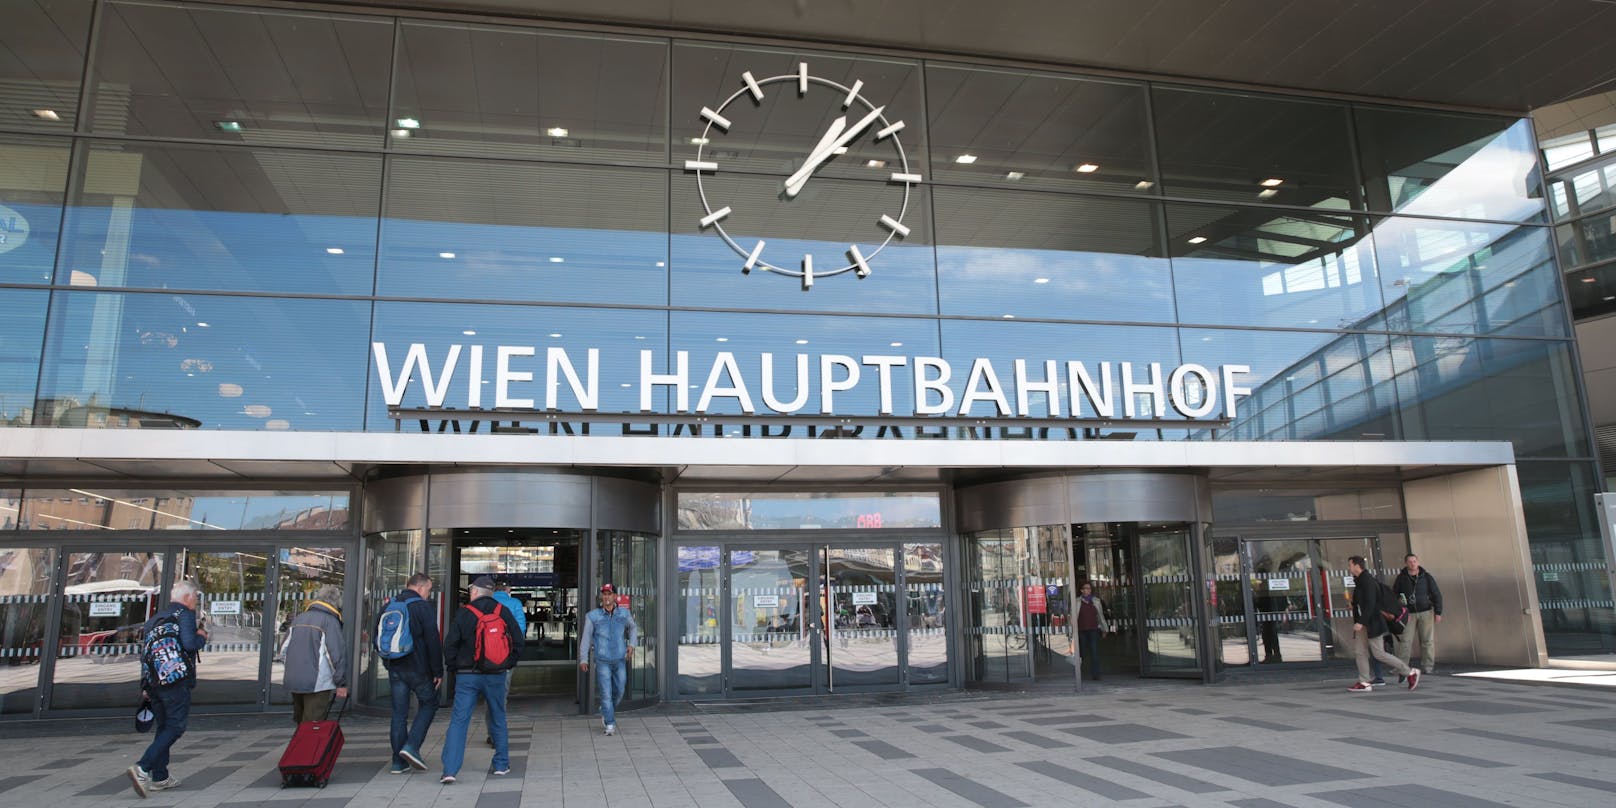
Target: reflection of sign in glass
<point>1277,584</point>
<point>1551,576</point>
<point>863,598</point>
<point>1036,601</point>
<point>765,601</point>
<point>1348,582</point>
<point>225,607</point>
<point>13,229</point>
<point>106,609</point>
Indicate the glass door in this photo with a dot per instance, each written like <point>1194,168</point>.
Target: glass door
<point>236,587</point>
<point>1167,586</point>
<point>775,629</point>
<point>926,605</point>
<point>862,637</point>
<point>1336,591</point>
<point>1287,605</point>
<point>107,596</point>
<point>25,598</point>
<point>698,606</point>
<point>1106,560</point>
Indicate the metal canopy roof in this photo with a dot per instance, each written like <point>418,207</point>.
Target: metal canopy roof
<point>1504,54</point>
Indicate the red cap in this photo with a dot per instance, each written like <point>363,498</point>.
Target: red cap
<point>607,588</point>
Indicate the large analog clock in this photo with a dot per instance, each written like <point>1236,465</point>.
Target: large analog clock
<point>856,116</point>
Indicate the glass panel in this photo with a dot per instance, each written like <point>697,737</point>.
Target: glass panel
<point>303,570</point>
<point>927,607</point>
<point>862,592</point>
<point>825,222</point>
<point>1285,582</point>
<point>509,92</point>
<point>808,509</point>
<point>1046,255</point>
<point>1462,166</point>
<point>628,562</point>
<point>1106,561</point>
<point>998,633</point>
<point>392,558</point>
<point>1568,556</point>
<point>771,641</point>
<point>1592,291</point>
<point>1590,240</point>
<point>1037,131</point>
<point>524,231</point>
<point>1253,266</point>
<point>124,509</point>
<point>1559,152</point>
<point>1469,278</point>
<point>98,661</point>
<point>1522,391</point>
<point>478,329</point>
<point>1302,504</point>
<point>1247,148</point>
<point>1332,563</point>
<point>242,76</point>
<point>25,589</point>
<point>1168,591</point>
<point>234,589</point>
<point>1046,596</point>
<point>42,62</point>
<point>22,335</point>
<point>33,179</point>
<point>199,217</point>
<point>1588,190</point>
<point>156,360</point>
<point>1224,579</point>
<point>698,659</point>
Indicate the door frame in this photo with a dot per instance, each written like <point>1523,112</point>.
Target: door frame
<point>1323,616</point>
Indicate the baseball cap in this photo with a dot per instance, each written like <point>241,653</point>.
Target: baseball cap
<point>483,582</point>
<point>607,588</point>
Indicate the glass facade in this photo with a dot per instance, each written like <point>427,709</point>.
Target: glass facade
<point>254,199</point>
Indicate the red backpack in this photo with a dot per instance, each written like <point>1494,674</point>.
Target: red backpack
<point>492,651</point>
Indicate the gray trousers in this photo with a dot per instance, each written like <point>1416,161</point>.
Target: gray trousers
<point>1421,626</point>
<point>1363,646</point>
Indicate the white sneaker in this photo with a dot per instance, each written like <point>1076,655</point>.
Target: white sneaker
<point>161,785</point>
<point>611,729</point>
<point>140,779</point>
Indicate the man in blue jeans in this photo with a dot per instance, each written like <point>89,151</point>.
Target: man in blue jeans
<point>171,704</point>
<point>415,676</point>
<point>467,648</point>
<point>604,631</point>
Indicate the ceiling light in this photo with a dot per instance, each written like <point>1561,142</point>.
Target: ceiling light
<point>875,164</point>
<point>802,342</point>
<point>47,114</point>
<point>895,344</point>
<point>256,410</point>
<point>408,123</point>
<point>401,133</point>
<point>278,423</point>
<point>699,141</point>
<point>1040,280</point>
<point>1267,193</point>
<point>556,259</point>
<point>201,325</point>
<point>1588,280</point>
<point>625,384</point>
<point>228,390</point>
<point>555,336</point>
<point>1014,175</point>
<point>1143,185</point>
<point>469,333</point>
<point>334,250</point>
<point>227,126</point>
<point>965,159</point>
<point>662,263</point>
<point>637,336</point>
<point>1087,168</point>
<point>723,339</point>
<point>556,131</point>
<point>446,255</point>
<point>1198,239</point>
<point>1272,182</point>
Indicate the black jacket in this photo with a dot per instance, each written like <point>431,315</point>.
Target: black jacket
<point>426,655</point>
<point>1366,605</point>
<point>460,643</point>
<point>1419,591</point>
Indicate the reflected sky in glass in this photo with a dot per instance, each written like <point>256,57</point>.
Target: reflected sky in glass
<point>21,332</point>
<point>1468,277</point>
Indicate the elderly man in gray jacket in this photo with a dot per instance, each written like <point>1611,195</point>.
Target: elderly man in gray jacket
<point>316,657</point>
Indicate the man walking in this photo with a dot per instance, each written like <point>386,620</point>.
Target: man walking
<point>482,644</point>
<point>316,657</point>
<point>416,673</point>
<point>1368,627</point>
<point>1419,592</point>
<point>604,631</point>
<point>168,674</point>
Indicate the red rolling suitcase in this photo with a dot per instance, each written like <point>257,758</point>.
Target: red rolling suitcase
<point>313,752</point>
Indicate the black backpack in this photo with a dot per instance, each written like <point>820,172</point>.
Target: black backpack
<point>1391,608</point>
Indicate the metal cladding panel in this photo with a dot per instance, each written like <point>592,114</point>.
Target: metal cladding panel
<point>509,499</point>
<point>395,504</point>
<point>628,505</point>
<point>1088,497</point>
<point>1013,503</point>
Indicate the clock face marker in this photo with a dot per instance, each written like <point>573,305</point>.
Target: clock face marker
<point>751,260</point>
<point>708,220</point>
<point>895,177</point>
<point>892,224</point>
<point>852,94</point>
<point>701,165</point>
<point>715,119</point>
<point>807,272</point>
<point>858,261</point>
<point>802,78</point>
<point>751,84</point>
<point>897,127</point>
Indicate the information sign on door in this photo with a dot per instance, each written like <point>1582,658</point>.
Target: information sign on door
<point>1037,601</point>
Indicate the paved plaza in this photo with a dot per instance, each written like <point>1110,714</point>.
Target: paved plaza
<point>1457,741</point>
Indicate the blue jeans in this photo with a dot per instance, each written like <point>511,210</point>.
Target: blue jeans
<point>405,684</point>
<point>171,707</point>
<point>468,687</point>
<point>1088,643</point>
<point>611,677</point>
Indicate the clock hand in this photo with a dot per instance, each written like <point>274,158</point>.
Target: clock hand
<point>835,129</point>
<point>823,152</point>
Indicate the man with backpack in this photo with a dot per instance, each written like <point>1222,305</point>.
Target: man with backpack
<point>1418,590</point>
<point>1369,625</point>
<point>169,646</point>
<point>407,641</point>
<point>483,642</point>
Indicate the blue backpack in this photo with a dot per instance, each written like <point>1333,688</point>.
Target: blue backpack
<point>393,640</point>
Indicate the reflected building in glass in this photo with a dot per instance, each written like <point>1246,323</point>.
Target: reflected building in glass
<point>846,365</point>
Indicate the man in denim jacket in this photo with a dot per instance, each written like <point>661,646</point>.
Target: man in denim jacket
<point>604,630</point>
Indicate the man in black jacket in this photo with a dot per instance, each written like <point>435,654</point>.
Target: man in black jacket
<point>1368,625</point>
<point>479,676</point>
<point>1424,600</point>
<point>417,675</point>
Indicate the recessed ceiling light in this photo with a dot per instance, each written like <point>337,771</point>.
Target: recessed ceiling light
<point>408,123</point>
<point>201,325</point>
<point>698,141</point>
<point>1040,280</point>
<point>446,255</point>
<point>227,126</point>
<point>895,344</point>
<point>556,131</point>
<point>875,164</point>
<point>229,390</point>
<point>1272,182</point>
<point>637,336</point>
<point>1143,185</point>
<point>1087,168</point>
<point>555,336</point>
<point>965,159</point>
<point>556,259</point>
<point>468,332</point>
<point>334,250</point>
<point>802,342</point>
<point>1009,317</point>
<point>723,339</point>
<point>662,263</point>
<point>1588,280</point>
<point>47,114</point>
<point>401,133</point>
<point>625,384</point>
<point>1267,193</point>
<point>1198,239</point>
<point>1015,175</point>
